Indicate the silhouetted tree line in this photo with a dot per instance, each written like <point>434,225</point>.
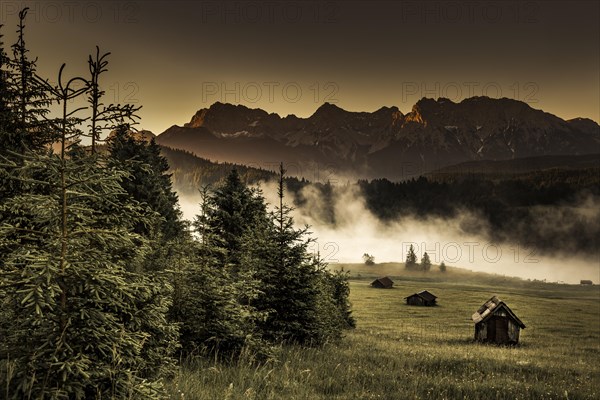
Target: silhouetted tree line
<point>189,172</point>
<point>542,209</point>
<point>102,285</point>
<point>546,209</point>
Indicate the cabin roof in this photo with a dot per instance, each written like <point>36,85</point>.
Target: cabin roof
<point>425,295</point>
<point>490,307</point>
<point>385,281</point>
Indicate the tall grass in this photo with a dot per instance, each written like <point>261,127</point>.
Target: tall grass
<point>403,352</point>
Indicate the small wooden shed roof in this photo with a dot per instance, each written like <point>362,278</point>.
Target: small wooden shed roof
<point>425,295</point>
<point>385,282</point>
<point>490,307</point>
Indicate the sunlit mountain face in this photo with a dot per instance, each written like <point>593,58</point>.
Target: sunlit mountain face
<point>384,143</point>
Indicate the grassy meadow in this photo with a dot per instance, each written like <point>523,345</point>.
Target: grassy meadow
<point>406,352</point>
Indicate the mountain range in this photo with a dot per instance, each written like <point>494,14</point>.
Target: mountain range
<point>384,143</point>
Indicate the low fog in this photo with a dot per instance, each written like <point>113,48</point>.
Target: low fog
<point>358,231</point>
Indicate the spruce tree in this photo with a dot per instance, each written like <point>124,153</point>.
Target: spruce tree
<point>411,258</point>
<point>341,294</point>
<point>31,98</point>
<point>297,294</point>
<point>443,267</point>
<point>149,182</point>
<point>82,325</point>
<point>9,142</point>
<point>232,210</point>
<point>212,300</point>
<point>7,116</point>
<point>212,306</point>
<point>104,118</point>
<point>78,321</point>
<point>425,262</point>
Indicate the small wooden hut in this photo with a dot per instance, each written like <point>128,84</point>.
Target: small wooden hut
<point>423,298</point>
<point>496,323</point>
<point>382,283</point>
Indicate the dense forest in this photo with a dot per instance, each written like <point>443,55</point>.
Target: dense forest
<point>189,172</point>
<point>103,286</point>
<point>542,202</point>
<point>547,210</point>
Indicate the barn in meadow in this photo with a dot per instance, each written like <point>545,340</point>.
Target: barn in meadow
<point>423,298</point>
<point>495,322</point>
<point>382,283</point>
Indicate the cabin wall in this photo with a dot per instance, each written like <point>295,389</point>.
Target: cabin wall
<point>481,332</point>
<point>513,331</point>
<point>500,327</point>
<point>485,332</point>
<point>414,301</point>
<point>418,301</point>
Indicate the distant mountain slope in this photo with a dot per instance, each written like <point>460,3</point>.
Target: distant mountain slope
<point>521,165</point>
<point>384,143</point>
<point>189,172</point>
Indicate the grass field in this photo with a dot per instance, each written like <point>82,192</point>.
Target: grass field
<point>403,352</point>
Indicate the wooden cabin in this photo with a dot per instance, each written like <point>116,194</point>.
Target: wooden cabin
<point>586,282</point>
<point>496,323</point>
<point>423,298</point>
<point>382,283</point>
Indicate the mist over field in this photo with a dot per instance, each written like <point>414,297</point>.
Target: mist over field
<point>357,231</point>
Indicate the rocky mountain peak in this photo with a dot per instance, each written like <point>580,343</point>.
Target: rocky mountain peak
<point>433,134</point>
<point>225,117</point>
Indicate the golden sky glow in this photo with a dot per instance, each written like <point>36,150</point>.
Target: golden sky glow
<point>290,56</point>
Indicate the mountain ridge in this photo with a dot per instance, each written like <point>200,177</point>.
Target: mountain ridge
<point>434,134</point>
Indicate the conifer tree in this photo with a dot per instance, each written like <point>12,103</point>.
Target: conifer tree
<point>411,258</point>
<point>8,140</point>
<point>31,99</point>
<point>212,301</point>
<point>297,294</point>
<point>83,326</point>
<point>7,116</point>
<point>232,210</point>
<point>425,262</point>
<point>149,182</point>
<point>104,118</point>
<point>79,322</point>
